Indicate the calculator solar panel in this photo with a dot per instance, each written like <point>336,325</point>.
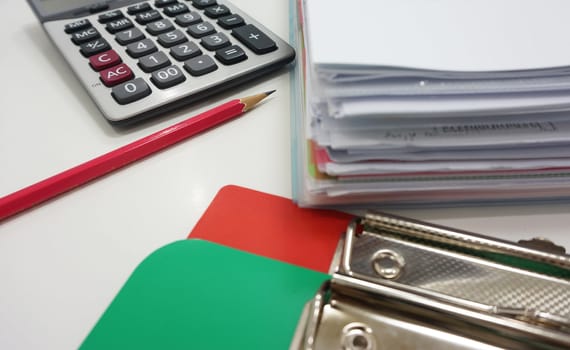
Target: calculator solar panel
<point>139,59</point>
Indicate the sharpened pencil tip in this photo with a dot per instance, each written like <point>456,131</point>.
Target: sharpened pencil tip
<point>251,101</point>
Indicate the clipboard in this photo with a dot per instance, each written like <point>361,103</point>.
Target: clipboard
<point>195,294</point>
<point>272,226</point>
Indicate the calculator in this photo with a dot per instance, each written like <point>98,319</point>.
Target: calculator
<point>140,59</point>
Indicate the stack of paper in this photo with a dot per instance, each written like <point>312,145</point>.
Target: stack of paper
<point>436,101</point>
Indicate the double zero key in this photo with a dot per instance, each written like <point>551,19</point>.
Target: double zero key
<point>167,77</point>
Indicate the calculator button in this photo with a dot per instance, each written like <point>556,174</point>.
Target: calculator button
<point>104,60</point>
<point>118,25</point>
<point>231,21</point>
<point>138,8</point>
<point>167,77</point>
<point>77,25</point>
<point>203,3</point>
<point>94,47</point>
<point>187,19</point>
<point>201,29</point>
<point>254,39</point>
<point>175,9</point>
<point>141,48</point>
<point>215,41</point>
<point>147,17</point>
<point>110,16</point>
<point>116,75</point>
<point>154,61</point>
<point>85,36</point>
<point>231,55</point>
<point>172,38</point>
<point>129,36</point>
<point>200,65</point>
<point>185,51</point>
<point>130,91</point>
<point>217,11</point>
<point>159,27</point>
<point>162,3</point>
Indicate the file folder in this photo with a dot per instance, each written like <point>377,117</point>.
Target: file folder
<point>272,226</point>
<point>195,294</point>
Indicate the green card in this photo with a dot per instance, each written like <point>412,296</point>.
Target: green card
<point>194,294</point>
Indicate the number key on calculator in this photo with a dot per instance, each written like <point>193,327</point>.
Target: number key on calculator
<point>138,59</point>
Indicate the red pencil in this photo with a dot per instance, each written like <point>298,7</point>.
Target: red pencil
<point>92,169</point>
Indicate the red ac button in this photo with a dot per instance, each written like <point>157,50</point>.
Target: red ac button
<point>104,60</point>
<point>116,75</point>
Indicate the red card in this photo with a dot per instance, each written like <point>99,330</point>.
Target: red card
<point>272,226</point>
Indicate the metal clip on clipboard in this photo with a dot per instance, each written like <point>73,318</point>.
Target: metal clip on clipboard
<point>404,284</point>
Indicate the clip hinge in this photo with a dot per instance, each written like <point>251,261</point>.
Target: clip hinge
<point>533,316</point>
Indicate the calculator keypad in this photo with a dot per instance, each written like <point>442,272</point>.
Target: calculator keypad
<point>200,65</point>
<point>154,61</point>
<point>94,47</point>
<point>217,11</point>
<point>148,17</point>
<point>201,29</point>
<point>187,19</point>
<point>116,75</point>
<point>85,35</point>
<point>138,8</point>
<point>185,51</point>
<point>130,91</point>
<point>202,4</point>
<point>254,39</point>
<point>230,21</point>
<point>77,25</point>
<point>104,60</point>
<point>129,36</point>
<point>215,41</point>
<point>141,48</point>
<point>118,25</point>
<point>231,55</point>
<point>175,9</point>
<point>172,38</point>
<point>110,16</point>
<point>164,44</point>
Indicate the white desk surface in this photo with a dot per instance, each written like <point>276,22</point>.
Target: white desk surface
<point>63,262</point>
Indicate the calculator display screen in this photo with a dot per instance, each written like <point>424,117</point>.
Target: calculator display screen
<point>48,8</point>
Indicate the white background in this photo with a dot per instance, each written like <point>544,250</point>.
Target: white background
<point>62,262</point>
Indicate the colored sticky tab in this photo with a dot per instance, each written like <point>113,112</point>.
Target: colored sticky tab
<point>195,294</point>
<point>272,226</point>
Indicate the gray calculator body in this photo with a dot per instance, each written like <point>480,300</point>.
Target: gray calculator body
<point>174,83</point>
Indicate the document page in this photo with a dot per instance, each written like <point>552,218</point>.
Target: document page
<point>440,35</point>
<point>453,136</point>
